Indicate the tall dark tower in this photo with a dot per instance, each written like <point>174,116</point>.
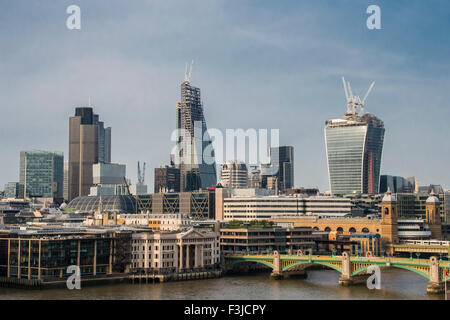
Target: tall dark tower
<point>89,143</point>
<point>195,155</point>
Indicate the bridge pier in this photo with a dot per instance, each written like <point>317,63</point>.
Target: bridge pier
<point>347,279</point>
<point>435,285</point>
<point>276,272</point>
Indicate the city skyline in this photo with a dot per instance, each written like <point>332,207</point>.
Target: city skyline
<point>136,94</point>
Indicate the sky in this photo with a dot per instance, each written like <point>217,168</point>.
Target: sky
<point>259,64</point>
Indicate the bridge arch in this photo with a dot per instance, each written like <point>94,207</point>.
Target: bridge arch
<point>399,266</point>
<point>310,263</point>
<point>267,264</point>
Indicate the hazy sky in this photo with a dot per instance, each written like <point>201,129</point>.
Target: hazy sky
<point>259,64</point>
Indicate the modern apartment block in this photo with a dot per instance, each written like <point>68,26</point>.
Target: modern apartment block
<point>234,174</point>
<point>42,174</point>
<point>195,155</point>
<point>89,143</point>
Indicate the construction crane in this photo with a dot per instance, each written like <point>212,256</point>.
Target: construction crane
<point>141,175</point>
<point>354,102</point>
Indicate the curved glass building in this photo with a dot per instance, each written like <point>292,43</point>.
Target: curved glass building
<point>354,145</point>
<point>118,203</point>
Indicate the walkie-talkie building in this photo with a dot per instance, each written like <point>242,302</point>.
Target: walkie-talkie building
<point>354,146</point>
<point>195,155</point>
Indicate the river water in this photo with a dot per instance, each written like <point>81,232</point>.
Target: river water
<point>320,284</point>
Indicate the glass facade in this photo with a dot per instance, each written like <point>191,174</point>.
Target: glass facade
<point>195,155</point>
<point>42,174</point>
<point>354,147</point>
<point>28,256</point>
<point>283,158</point>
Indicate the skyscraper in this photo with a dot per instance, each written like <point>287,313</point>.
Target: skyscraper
<point>41,174</point>
<point>89,143</point>
<point>195,155</point>
<point>354,144</point>
<point>234,174</point>
<point>283,158</point>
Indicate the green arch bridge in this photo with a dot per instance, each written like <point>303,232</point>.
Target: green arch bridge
<point>352,268</point>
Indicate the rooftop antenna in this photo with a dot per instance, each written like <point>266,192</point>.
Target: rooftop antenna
<point>89,101</point>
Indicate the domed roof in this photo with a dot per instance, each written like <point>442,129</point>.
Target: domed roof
<point>117,203</point>
<point>432,198</point>
<point>388,197</point>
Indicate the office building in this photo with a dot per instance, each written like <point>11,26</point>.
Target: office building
<point>195,155</point>
<point>89,143</point>
<point>12,190</point>
<point>283,159</point>
<point>248,239</point>
<point>354,145</point>
<point>45,254</point>
<point>197,204</point>
<point>167,179</point>
<point>397,184</point>
<point>42,174</point>
<point>234,174</point>
<point>250,208</point>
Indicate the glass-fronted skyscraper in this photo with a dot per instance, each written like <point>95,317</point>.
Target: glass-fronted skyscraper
<point>195,155</point>
<point>283,158</point>
<point>354,146</point>
<point>42,174</point>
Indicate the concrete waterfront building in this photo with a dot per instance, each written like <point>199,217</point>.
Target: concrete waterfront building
<point>234,174</point>
<point>175,252</point>
<point>242,239</point>
<point>195,155</point>
<point>89,143</point>
<point>354,145</point>
<point>42,174</point>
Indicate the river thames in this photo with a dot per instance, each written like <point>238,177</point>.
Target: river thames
<point>321,284</point>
